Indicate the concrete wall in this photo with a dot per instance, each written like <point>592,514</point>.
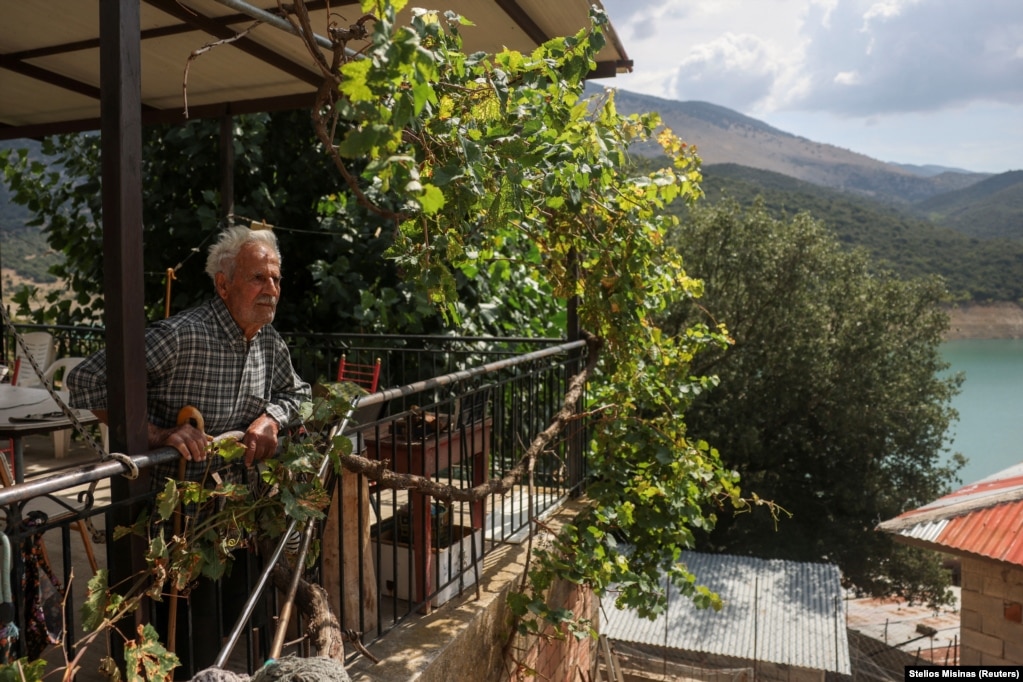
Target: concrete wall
<point>990,626</point>
<point>473,640</point>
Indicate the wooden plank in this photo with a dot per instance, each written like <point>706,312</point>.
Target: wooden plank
<point>341,556</point>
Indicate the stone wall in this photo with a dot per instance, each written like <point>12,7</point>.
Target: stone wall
<point>991,624</point>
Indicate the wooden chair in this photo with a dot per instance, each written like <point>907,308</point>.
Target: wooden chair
<point>367,376</point>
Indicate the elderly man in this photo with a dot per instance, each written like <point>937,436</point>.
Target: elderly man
<point>226,360</point>
<point>223,358</point>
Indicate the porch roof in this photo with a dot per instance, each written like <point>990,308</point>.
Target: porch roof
<point>50,60</point>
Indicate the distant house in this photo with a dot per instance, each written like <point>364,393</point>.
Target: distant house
<point>782,620</point>
<point>983,524</point>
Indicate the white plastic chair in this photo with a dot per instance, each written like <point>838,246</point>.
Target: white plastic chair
<point>54,368</point>
<point>43,350</point>
<point>62,438</point>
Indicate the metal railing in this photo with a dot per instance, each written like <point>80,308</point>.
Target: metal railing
<point>387,553</point>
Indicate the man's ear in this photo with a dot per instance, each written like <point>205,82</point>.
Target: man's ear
<point>220,281</point>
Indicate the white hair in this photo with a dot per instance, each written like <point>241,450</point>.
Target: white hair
<point>224,253</point>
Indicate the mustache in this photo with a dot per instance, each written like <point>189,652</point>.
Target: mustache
<point>270,300</point>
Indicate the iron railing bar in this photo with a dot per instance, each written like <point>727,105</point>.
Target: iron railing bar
<point>465,374</point>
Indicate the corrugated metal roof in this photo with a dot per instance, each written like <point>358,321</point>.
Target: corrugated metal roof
<point>780,611</point>
<point>982,519</point>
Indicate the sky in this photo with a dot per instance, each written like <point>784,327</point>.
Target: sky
<point>926,82</point>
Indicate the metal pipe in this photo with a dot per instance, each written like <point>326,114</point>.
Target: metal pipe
<point>257,592</point>
<point>463,375</point>
<point>273,20</point>
<point>284,618</point>
<point>103,470</point>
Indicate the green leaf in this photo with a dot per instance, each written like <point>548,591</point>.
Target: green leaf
<point>145,658</point>
<point>95,605</point>
<point>354,84</point>
<point>167,500</point>
<point>431,199</point>
<point>361,141</point>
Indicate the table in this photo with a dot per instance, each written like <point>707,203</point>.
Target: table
<point>425,457</point>
<point>17,403</point>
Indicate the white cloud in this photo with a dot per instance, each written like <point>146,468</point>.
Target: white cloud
<point>735,71</point>
<point>848,78</point>
<point>872,63</point>
<point>916,55</point>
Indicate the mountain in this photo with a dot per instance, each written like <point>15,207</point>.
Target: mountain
<point>977,270</point>
<point>722,135</point>
<point>929,171</point>
<point>991,208</point>
<point>23,248</point>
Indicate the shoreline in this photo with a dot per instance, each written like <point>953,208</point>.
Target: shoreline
<point>1002,320</point>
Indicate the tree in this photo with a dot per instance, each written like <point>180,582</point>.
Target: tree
<point>831,400</point>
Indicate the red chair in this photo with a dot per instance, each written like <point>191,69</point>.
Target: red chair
<point>367,376</point>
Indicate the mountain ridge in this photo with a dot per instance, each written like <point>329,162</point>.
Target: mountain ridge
<point>721,135</point>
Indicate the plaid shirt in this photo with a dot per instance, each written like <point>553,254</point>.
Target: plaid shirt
<point>199,357</point>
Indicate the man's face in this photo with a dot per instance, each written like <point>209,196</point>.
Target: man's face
<point>251,294</point>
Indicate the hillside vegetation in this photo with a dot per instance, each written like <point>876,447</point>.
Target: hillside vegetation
<point>990,208</point>
<point>974,269</point>
<point>23,248</point>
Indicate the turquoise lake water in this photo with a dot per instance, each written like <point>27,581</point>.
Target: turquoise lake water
<point>990,427</point>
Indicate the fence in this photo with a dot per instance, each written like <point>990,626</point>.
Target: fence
<point>458,411</point>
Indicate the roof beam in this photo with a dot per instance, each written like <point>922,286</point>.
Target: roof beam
<point>524,21</point>
<point>165,116</point>
<point>219,30</point>
<point>46,76</point>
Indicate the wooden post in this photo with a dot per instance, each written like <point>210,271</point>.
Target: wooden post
<point>342,546</point>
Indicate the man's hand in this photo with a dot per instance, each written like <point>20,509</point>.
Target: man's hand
<point>260,439</point>
<point>186,439</point>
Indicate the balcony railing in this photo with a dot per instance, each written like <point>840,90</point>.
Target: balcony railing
<point>458,411</point>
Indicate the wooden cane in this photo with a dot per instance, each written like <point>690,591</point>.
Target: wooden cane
<point>186,415</point>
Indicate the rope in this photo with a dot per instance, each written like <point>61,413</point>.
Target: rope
<point>128,462</point>
<point>218,675</point>
<point>293,669</point>
<point>287,669</point>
